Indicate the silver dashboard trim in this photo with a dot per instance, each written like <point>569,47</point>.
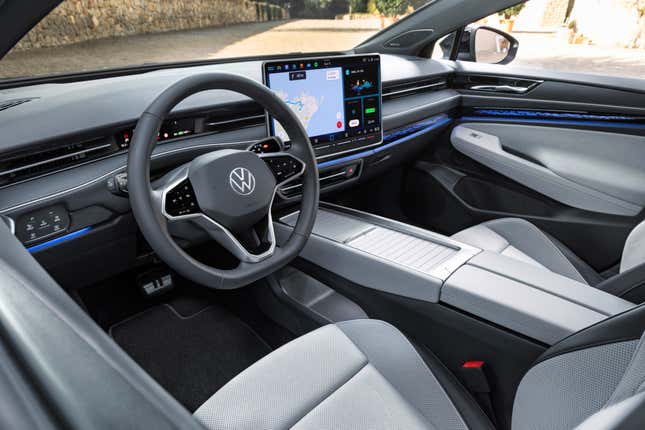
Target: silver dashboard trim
<point>446,100</point>
<point>50,160</point>
<point>412,90</point>
<point>11,224</point>
<point>193,147</point>
<point>115,171</point>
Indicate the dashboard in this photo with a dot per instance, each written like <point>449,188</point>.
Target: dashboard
<point>63,185</point>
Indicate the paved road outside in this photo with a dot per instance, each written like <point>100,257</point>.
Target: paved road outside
<point>549,52</point>
<point>536,49</point>
<point>207,43</point>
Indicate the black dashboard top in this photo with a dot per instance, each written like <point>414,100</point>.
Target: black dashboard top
<point>67,109</point>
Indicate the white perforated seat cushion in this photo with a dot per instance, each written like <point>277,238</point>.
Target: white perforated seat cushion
<point>361,374</point>
<point>564,391</point>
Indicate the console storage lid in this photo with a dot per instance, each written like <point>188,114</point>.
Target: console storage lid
<point>527,299</point>
<point>379,253</point>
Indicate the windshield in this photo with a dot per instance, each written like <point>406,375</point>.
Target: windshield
<point>80,35</point>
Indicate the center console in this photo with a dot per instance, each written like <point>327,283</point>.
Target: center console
<point>396,258</point>
<point>380,253</point>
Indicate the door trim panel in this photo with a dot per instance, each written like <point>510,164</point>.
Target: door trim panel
<point>588,170</point>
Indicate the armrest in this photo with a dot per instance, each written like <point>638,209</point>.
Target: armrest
<point>526,299</point>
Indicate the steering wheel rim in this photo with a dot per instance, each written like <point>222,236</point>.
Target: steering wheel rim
<point>145,201</point>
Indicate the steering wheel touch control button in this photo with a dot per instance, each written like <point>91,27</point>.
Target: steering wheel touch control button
<point>181,200</point>
<point>284,167</point>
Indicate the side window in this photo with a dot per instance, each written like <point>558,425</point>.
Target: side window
<point>604,37</point>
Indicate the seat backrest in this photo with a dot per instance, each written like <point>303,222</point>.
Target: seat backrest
<point>596,375</point>
<point>634,250</point>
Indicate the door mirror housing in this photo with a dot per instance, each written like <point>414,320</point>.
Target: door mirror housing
<point>492,46</point>
<point>483,45</point>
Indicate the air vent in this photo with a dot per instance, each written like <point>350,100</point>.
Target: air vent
<point>326,179</point>
<point>407,88</point>
<point>218,123</point>
<point>8,104</point>
<point>24,166</point>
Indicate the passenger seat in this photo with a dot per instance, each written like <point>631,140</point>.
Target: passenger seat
<point>523,241</point>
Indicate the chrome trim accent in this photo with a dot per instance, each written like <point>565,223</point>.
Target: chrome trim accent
<point>425,106</point>
<point>49,160</point>
<point>360,148</point>
<point>322,178</point>
<point>231,121</point>
<point>505,88</point>
<point>11,224</point>
<point>222,234</point>
<point>242,181</point>
<point>410,90</point>
<point>115,171</point>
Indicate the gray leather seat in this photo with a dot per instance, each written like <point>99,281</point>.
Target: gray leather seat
<point>521,240</point>
<point>361,374</point>
<point>365,374</point>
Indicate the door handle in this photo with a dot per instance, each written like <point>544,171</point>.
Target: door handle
<point>500,88</point>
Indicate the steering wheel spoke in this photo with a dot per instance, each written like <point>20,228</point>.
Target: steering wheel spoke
<point>179,203</point>
<point>284,166</point>
<point>249,246</point>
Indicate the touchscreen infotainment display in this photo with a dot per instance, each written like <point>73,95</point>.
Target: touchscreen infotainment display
<point>337,99</point>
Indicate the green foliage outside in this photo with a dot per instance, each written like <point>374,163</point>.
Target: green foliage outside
<point>331,8</point>
<point>358,6</point>
<point>391,7</point>
<point>323,8</point>
<point>512,11</point>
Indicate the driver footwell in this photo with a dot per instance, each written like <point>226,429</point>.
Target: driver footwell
<point>192,355</point>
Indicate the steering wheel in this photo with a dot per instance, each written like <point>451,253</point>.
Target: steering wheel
<point>227,193</point>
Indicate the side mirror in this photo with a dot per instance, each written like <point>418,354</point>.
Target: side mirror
<point>492,46</point>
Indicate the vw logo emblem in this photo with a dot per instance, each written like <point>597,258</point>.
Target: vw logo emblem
<point>242,181</point>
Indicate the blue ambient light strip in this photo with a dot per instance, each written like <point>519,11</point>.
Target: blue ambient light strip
<point>434,122</point>
<point>59,239</point>
<point>554,121</point>
<point>552,115</point>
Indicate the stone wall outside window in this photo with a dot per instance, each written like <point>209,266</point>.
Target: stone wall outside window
<point>76,21</point>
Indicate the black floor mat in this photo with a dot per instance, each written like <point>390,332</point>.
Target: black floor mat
<point>191,357</point>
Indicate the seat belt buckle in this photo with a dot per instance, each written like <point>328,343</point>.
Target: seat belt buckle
<point>474,375</point>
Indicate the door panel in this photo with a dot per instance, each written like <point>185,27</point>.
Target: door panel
<point>595,171</point>
<point>566,155</point>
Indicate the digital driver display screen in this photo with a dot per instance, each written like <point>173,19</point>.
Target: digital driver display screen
<point>337,99</point>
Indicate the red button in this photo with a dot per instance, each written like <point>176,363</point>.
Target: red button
<point>472,364</point>
<point>339,124</point>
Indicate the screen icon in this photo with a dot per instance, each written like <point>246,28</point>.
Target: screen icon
<point>332,75</point>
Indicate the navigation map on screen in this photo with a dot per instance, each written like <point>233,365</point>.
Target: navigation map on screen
<point>337,99</point>
<point>316,97</point>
